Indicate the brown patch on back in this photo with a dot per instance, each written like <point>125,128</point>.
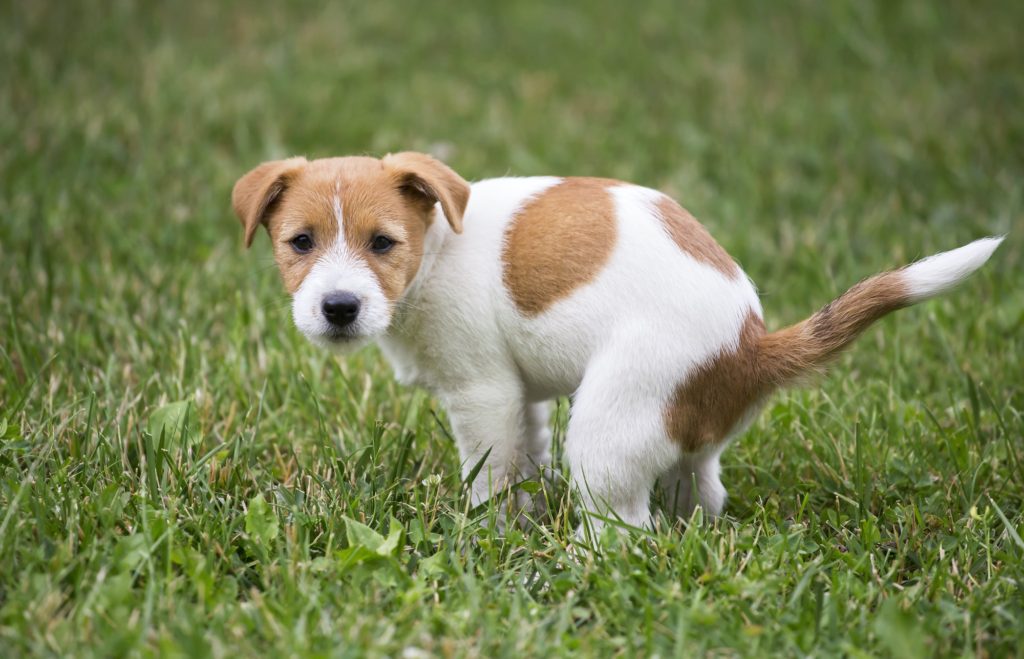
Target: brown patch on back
<point>710,402</point>
<point>691,237</point>
<point>558,242</point>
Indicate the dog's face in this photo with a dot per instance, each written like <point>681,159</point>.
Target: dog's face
<point>348,234</point>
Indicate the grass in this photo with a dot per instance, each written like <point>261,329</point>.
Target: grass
<point>180,474</point>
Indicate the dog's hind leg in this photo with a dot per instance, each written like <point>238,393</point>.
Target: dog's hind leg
<point>534,457</point>
<point>617,444</point>
<point>693,480</point>
<point>535,454</point>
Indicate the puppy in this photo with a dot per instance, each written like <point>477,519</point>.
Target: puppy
<point>501,295</point>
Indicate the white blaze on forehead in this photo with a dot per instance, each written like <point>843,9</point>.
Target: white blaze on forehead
<point>351,270</point>
<point>336,203</point>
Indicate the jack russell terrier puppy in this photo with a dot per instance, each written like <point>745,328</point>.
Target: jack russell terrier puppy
<point>501,295</point>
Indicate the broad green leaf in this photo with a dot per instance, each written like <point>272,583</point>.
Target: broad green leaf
<point>899,631</point>
<point>435,565</point>
<point>356,555</point>
<point>260,520</point>
<point>391,544</point>
<point>177,422</point>
<point>361,535</point>
<point>530,487</point>
<point>130,551</point>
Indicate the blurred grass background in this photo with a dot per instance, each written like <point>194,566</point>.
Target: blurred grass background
<point>879,513</point>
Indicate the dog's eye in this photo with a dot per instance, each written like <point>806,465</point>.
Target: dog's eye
<point>302,243</point>
<point>381,244</point>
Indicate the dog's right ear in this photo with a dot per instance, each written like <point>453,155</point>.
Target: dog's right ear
<point>257,191</point>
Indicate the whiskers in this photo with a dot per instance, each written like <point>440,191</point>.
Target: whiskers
<point>403,305</point>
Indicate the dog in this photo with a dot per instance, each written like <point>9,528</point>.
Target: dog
<point>501,295</point>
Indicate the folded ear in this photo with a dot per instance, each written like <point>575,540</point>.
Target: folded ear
<point>428,181</point>
<point>256,192</point>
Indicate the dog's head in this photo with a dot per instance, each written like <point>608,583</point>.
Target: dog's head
<point>348,233</point>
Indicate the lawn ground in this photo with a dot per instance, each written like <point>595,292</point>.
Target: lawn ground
<point>181,474</point>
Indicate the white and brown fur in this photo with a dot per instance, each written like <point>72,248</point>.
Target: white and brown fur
<point>501,295</point>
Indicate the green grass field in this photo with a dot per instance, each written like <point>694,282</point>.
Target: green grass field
<point>182,474</point>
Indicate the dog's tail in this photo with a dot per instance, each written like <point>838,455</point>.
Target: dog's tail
<point>794,352</point>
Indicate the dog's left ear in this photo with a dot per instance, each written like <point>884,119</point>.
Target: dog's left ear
<point>256,192</point>
<point>428,181</point>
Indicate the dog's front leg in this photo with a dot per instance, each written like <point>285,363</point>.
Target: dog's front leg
<point>489,421</point>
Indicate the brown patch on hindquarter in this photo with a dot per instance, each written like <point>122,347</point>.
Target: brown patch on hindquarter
<point>691,237</point>
<point>706,407</point>
<point>710,402</point>
<point>558,242</point>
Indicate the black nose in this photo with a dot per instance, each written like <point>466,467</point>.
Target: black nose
<point>340,309</point>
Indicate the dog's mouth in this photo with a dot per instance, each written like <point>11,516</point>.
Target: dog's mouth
<point>340,336</point>
<point>340,339</point>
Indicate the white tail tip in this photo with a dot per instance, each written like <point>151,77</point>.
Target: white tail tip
<point>941,272</point>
